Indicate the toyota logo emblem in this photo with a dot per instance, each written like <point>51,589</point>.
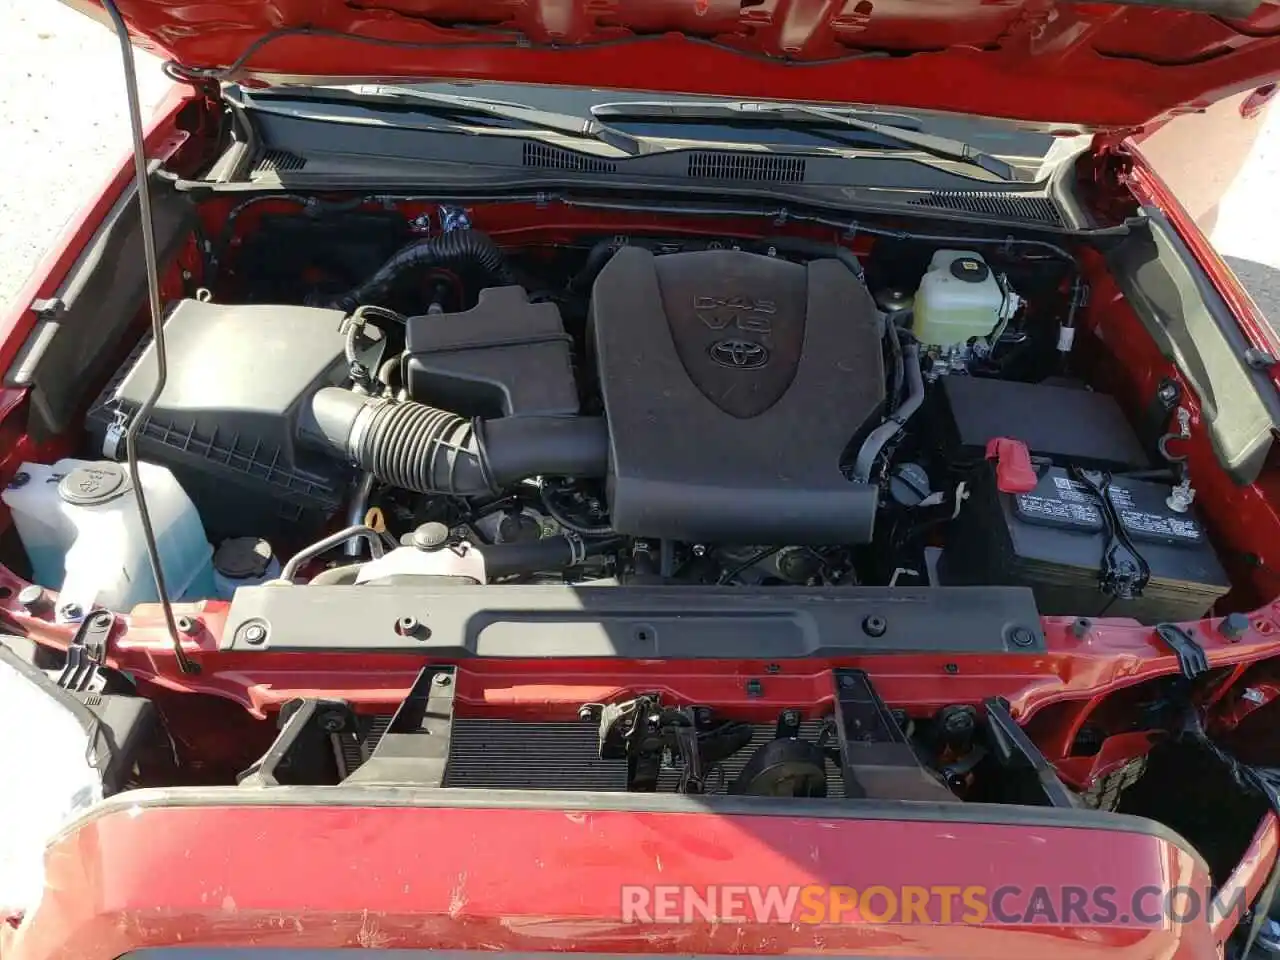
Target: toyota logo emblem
<point>739,354</point>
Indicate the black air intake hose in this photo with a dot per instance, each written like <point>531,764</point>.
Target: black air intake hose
<point>534,556</point>
<point>428,450</point>
<point>458,248</point>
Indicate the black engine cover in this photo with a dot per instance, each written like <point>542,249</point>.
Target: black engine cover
<point>733,384</point>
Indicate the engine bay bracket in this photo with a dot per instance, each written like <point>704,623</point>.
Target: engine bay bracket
<point>635,623</point>
<point>415,748</point>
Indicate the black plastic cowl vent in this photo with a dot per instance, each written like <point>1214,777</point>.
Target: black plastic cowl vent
<point>553,158</point>
<point>767,167</point>
<point>279,161</point>
<point>994,204</point>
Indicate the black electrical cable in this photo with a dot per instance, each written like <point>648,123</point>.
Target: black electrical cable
<point>351,345</point>
<point>185,663</point>
<point>751,561</point>
<point>1264,781</point>
<point>560,517</point>
<point>851,227</point>
<point>463,247</point>
<point>1113,579</point>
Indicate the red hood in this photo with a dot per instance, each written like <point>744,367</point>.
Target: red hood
<point>1094,64</point>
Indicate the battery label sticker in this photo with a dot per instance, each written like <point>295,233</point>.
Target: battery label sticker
<point>1070,505</point>
<point>1145,517</point>
<point>1170,529</point>
<point>1063,510</point>
<point>1072,490</point>
<point>1122,498</point>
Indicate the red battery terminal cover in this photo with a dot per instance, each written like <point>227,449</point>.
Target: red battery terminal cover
<point>1014,472</point>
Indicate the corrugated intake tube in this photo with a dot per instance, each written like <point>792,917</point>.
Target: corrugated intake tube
<point>458,248</point>
<point>428,450</point>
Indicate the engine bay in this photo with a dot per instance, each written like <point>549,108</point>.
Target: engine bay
<point>481,498</point>
<point>641,408</point>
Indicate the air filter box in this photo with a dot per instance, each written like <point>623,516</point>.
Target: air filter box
<point>224,423</point>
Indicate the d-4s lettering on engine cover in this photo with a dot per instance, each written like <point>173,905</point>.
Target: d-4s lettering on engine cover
<point>746,314</point>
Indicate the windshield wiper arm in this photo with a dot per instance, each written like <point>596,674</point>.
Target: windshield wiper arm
<point>929,143</point>
<point>588,128</point>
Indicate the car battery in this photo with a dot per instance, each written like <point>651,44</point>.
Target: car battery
<point>1058,540</point>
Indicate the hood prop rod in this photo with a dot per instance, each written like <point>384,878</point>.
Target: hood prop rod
<point>185,663</point>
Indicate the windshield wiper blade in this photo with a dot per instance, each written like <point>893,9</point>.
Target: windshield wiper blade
<point>587,128</point>
<point>929,143</point>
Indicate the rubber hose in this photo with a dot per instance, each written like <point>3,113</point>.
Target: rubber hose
<point>882,434</point>
<point>389,374</point>
<point>531,556</point>
<point>599,255</point>
<point>428,450</point>
<point>895,352</point>
<point>344,575</point>
<point>813,250</point>
<point>458,248</point>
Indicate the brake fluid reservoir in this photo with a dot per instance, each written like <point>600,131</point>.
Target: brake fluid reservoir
<point>78,521</point>
<point>959,298</point>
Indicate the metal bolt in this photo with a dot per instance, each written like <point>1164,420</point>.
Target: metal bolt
<point>699,550</point>
<point>951,668</point>
<point>71,611</point>
<point>255,633</point>
<point>846,682</point>
<point>1021,637</point>
<point>1234,626</point>
<point>32,598</point>
<point>790,718</point>
<point>755,688</point>
<point>1080,627</point>
<point>332,721</point>
<point>442,679</point>
<point>101,620</point>
<point>875,626</point>
<point>20,479</point>
<point>407,626</point>
<point>187,625</point>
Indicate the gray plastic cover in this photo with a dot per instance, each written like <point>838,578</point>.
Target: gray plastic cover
<point>734,385</point>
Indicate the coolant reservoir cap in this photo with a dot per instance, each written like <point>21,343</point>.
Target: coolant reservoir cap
<point>242,558</point>
<point>92,484</point>
<point>969,269</point>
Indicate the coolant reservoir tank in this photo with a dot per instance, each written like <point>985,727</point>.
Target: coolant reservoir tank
<point>79,524</point>
<point>959,298</point>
